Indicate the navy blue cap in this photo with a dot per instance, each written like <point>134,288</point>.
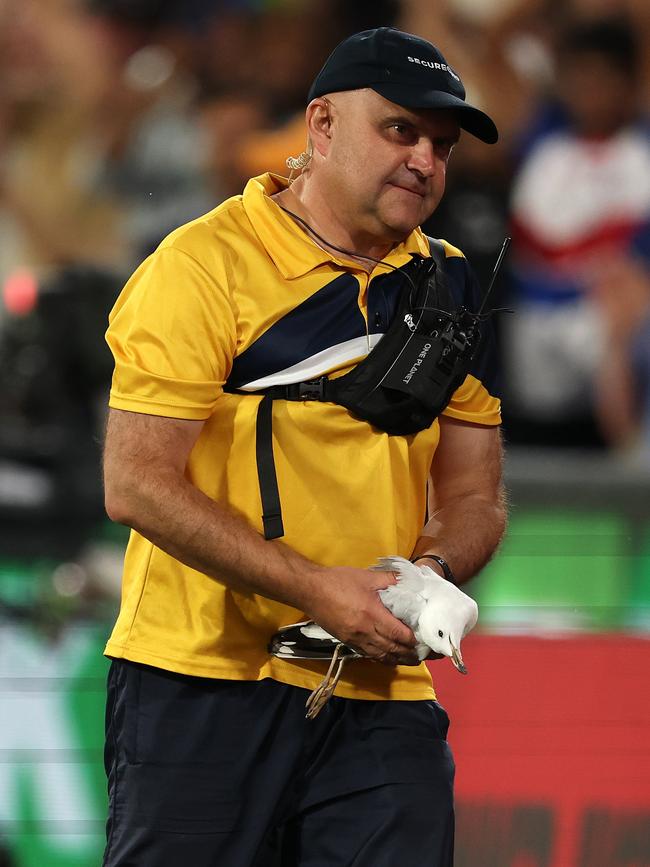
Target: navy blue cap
<point>404,69</point>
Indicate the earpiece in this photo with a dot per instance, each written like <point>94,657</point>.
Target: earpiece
<point>297,164</point>
<point>300,163</point>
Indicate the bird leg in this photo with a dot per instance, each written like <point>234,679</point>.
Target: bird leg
<point>325,690</point>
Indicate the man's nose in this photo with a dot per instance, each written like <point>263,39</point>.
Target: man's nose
<point>423,158</point>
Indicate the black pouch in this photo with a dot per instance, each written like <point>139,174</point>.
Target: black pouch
<point>410,376</point>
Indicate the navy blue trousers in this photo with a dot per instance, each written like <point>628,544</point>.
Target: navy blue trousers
<point>217,773</point>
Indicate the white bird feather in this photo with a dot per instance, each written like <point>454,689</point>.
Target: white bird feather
<point>437,611</point>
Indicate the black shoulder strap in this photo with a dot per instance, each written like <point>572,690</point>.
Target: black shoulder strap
<point>268,480</point>
<point>445,299</point>
<point>437,249</point>
<point>269,493</point>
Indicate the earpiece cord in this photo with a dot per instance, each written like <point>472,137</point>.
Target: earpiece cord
<point>480,316</point>
<point>347,252</point>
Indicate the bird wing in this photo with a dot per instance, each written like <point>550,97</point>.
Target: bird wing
<point>307,640</point>
<point>403,603</point>
<point>409,576</point>
<point>313,630</point>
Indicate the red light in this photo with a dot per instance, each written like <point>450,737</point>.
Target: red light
<point>20,292</point>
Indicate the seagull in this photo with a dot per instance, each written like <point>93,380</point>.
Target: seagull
<point>437,611</point>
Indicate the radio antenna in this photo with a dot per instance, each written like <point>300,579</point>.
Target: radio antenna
<point>497,267</point>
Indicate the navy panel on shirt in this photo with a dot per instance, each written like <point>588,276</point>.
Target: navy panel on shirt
<point>383,296</point>
<point>330,316</point>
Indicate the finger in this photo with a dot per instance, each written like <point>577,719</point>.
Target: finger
<point>392,654</point>
<point>390,627</point>
<point>394,659</point>
<point>396,634</point>
<point>410,659</point>
<point>380,652</point>
<point>382,580</point>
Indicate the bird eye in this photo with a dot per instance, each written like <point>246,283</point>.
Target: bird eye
<point>441,633</point>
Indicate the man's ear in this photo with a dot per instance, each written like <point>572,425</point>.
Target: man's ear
<point>319,124</point>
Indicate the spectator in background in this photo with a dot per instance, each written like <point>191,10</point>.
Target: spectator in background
<point>503,46</point>
<point>158,154</point>
<point>623,380</point>
<point>581,195</point>
<point>53,206</point>
<point>101,145</point>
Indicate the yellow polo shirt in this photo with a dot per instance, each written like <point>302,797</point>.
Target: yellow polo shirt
<point>243,294</point>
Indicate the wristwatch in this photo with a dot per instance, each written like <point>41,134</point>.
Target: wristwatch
<point>446,568</point>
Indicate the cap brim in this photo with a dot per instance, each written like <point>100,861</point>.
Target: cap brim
<point>471,119</point>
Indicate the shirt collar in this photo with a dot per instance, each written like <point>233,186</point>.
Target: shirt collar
<point>290,247</point>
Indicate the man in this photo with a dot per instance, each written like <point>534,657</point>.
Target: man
<point>209,756</point>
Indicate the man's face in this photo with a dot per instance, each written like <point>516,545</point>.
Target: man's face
<point>386,165</point>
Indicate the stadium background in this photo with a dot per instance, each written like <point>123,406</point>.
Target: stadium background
<point>120,119</point>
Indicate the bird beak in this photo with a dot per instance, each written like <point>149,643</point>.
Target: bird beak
<point>457,659</point>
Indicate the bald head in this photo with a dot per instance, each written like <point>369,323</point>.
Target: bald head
<point>380,167</point>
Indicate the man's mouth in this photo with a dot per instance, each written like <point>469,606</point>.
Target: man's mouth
<point>419,193</point>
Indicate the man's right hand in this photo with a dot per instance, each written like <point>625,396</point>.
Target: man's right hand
<point>347,605</point>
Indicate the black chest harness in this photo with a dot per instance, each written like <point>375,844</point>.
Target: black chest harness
<point>401,387</point>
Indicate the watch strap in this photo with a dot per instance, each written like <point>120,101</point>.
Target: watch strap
<point>446,568</point>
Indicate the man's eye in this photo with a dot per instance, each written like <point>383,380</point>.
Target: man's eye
<point>402,131</point>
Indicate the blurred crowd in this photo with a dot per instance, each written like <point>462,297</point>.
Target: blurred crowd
<point>121,119</point>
